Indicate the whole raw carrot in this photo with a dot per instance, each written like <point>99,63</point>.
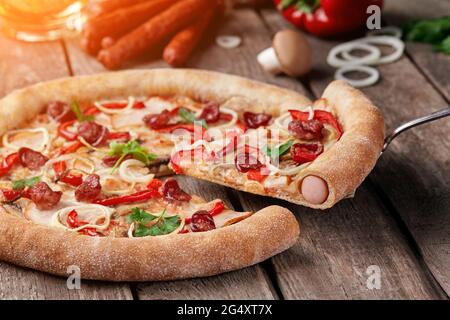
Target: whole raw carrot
<point>178,51</point>
<point>119,22</point>
<point>152,33</point>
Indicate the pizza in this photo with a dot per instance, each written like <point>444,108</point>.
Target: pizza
<point>86,164</point>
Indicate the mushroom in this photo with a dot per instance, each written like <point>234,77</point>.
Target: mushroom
<point>290,53</point>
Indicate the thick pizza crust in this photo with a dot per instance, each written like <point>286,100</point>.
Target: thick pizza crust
<point>176,256</point>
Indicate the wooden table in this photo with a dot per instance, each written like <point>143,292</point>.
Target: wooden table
<point>399,219</point>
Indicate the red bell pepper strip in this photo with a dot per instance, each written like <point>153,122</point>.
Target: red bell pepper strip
<point>155,184</point>
<point>65,133</point>
<point>218,208</point>
<point>59,168</point>
<point>257,175</point>
<point>131,198</point>
<point>71,148</point>
<point>119,136</point>
<point>71,179</point>
<point>184,231</point>
<point>320,115</point>
<point>72,219</point>
<point>8,163</point>
<point>11,195</point>
<point>326,18</point>
<point>92,232</point>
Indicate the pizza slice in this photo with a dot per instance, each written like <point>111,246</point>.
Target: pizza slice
<point>79,186</point>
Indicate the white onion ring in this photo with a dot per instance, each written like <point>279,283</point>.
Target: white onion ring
<point>43,145</point>
<point>373,77</point>
<point>228,42</point>
<point>107,212</point>
<point>394,42</point>
<point>125,174</point>
<point>130,105</point>
<point>389,30</point>
<point>333,60</point>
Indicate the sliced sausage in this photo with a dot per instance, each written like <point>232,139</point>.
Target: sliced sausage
<point>31,159</point>
<point>43,196</point>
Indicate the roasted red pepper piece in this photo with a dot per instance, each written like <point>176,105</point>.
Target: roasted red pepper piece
<point>131,198</point>
<point>320,115</point>
<point>8,163</point>
<point>59,168</point>
<point>258,175</point>
<point>325,18</point>
<point>71,148</point>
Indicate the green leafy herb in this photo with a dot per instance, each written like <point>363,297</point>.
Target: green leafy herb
<point>433,31</point>
<point>21,184</point>
<point>163,225</point>
<point>79,114</point>
<point>132,148</point>
<point>277,151</point>
<point>189,117</point>
<point>307,6</point>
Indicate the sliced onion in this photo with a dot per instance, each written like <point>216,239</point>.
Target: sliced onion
<point>48,165</point>
<point>129,106</point>
<point>371,58</point>
<point>373,75</point>
<point>389,30</point>
<point>101,211</point>
<point>40,148</point>
<point>394,42</point>
<point>228,42</point>
<point>127,175</point>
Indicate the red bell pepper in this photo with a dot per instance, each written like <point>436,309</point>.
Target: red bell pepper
<point>258,174</point>
<point>131,198</point>
<point>11,195</point>
<point>119,136</point>
<point>71,179</point>
<point>71,148</point>
<point>65,133</point>
<point>8,163</point>
<point>320,115</point>
<point>325,18</point>
<point>59,168</point>
<point>72,219</point>
<point>218,208</point>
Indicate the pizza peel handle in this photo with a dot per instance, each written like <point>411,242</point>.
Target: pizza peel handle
<point>414,123</point>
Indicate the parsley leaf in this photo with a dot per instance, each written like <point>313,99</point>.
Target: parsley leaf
<point>277,151</point>
<point>189,117</point>
<point>433,31</point>
<point>79,114</point>
<point>132,148</point>
<point>164,225</point>
<point>21,184</point>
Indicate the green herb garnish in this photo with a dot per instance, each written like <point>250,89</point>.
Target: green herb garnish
<point>163,225</point>
<point>79,114</point>
<point>189,117</point>
<point>433,31</point>
<point>21,184</point>
<point>132,148</point>
<point>277,151</point>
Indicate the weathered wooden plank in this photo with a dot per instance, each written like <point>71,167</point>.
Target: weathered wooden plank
<point>249,283</point>
<point>23,64</point>
<point>436,66</point>
<point>415,172</point>
<point>331,258</point>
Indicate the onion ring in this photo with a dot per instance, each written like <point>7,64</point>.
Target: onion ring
<point>333,60</point>
<point>394,42</point>
<point>373,77</point>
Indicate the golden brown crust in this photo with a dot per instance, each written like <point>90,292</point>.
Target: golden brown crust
<point>177,256</point>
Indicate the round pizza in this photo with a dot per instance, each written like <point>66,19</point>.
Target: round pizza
<point>87,165</point>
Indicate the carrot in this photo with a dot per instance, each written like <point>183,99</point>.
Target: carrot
<point>119,22</point>
<point>152,33</point>
<point>97,8</point>
<point>179,49</point>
